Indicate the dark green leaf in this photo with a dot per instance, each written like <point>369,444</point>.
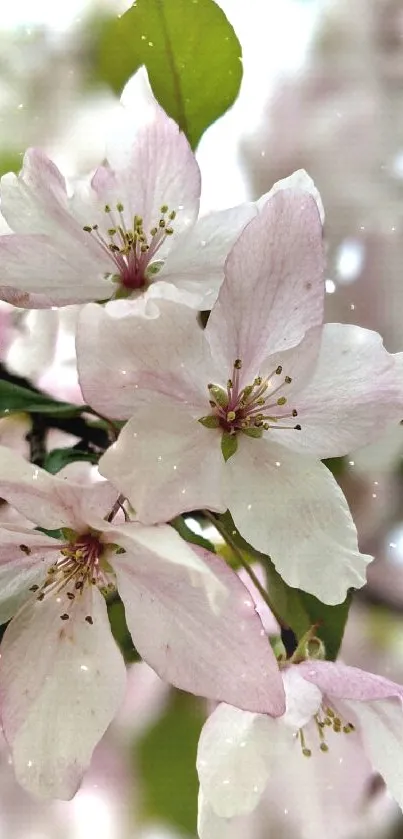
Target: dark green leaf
<point>166,758</point>
<point>58,458</point>
<point>16,399</point>
<point>191,52</point>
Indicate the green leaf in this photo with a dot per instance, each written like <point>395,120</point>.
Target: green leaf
<point>229,445</point>
<point>58,458</point>
<point>16,399</point>
<point>188,535</point>
<point>166,761</point>
<point>191,52</point>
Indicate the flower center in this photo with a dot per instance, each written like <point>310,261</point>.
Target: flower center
<point>133,248</point>
<point>80,565</point>
<point>251,409</point>
<point>325,719</point>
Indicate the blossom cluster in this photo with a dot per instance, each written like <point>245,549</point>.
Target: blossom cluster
<point>233,412</point>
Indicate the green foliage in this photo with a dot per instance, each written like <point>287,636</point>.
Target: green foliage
<point>15,399</point>
<point>58,458</point>
<point>167,757</point>
<point>191,52</point>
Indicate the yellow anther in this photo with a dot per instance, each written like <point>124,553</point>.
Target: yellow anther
<point>282,400</point>
<point>279,370</point>
<point>107,208</point>
<point>169,231</point>
<point>172,215</point>
<point>288,380</point>
<point>164,208</point>
<point>238,364</point>
<point>119,207</point>
<point>161,222</point>
<point>324,747</point>
<point>257,381</point>
<point>153,231</point>
<point>231,416</point>
<point>306,752</point>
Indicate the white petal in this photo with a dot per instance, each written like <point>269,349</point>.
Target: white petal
<point>211,826</point>
<point>381,724</point>
<point>291,507</point>
<point>232,759</point>
<point>302,703</point>
<point>198,255</point>
<point>61,684</point>
<point>156,458</point>
<point>25,556</point>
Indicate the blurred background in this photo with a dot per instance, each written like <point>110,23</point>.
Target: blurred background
<point>322,90</point>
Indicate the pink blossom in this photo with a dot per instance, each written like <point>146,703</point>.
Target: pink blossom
<point>131,228</point>
<point>336,718</point>
<point>239,415</point>
<point>62,677</point>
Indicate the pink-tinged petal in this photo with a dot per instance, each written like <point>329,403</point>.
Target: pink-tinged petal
<point>64,274</point>
<point>233,763</point>
<point>381,728</point>
<point>50,501</point>
<point>61,683</point>
<point>298,180</point>
<point>344,682</point>
<point>274,286</point>
<point>290,507</point>
<point>162,169</point>
<point>193,621</point>
<point>25,556</point>
<point>196,260</point>
<point>35,201</point>
<point>157,458</point>
<point>354,394</point>
<point>169,356</point>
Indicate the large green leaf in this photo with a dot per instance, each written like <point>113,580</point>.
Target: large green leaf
<point>191,52</point>
<point>16,399</point>
<point>167,763</point>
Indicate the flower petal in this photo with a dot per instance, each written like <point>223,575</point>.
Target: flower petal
<point>344,682</point>
<point>50,501</point>
<point>298,180</point>
<point>134,355</point>
<point>156,458</point>
<point>233,762</point>
<point>162,169</point>
<point>196,260</point>
<point>354,394</point>
<point>381,724</point>
<point>274,286</point>
<point>292,508</point>
<point>61,683</point>
<point>25,556</point>
<point>38,265</point>
<point>193,621</point>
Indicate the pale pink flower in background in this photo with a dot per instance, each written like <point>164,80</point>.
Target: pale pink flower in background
<point>62,676</point>
<point>263,368</point>
<point>341,725</point>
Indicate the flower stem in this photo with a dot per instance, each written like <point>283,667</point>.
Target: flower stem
<point>239,555</point>
<point>118,505</point>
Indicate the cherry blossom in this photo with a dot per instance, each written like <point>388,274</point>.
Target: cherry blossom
<point>239,415</point>
<point>62,677</point>
<point>336,718</point>
<point>131,228</point>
